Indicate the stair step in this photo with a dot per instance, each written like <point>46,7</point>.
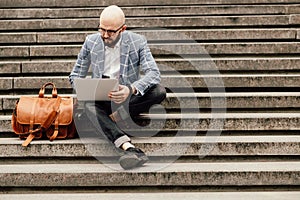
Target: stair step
<point>269,195</point>
<point>224,65</point>
<point>198,146</point>
<point>225,81</point>
<point>144,22</point>
<point>152,174</point>
<point>156,35</point>
<point>246,100</point>
<point>185,10</point>
<point>206,121</point>
<point>95,3</point>
<point>188,82</point>
<point>246,48</point>
<point>179,49</point>
<point>205,100</point>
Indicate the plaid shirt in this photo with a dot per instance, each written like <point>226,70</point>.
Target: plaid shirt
<point>135,57</point>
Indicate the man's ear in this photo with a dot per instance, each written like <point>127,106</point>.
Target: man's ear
<point>124,28</point>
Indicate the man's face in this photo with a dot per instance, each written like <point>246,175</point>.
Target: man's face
<point>110,33</point>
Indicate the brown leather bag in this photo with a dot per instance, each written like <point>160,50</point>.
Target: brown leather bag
<point>36,117</point>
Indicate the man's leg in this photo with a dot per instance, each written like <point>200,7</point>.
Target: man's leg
<point>97,113</point>
<point>132,107</point>
<point>138,104</point>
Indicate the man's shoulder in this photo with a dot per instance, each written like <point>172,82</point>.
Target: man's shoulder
<point>93,37</point>
<point>133,36</point>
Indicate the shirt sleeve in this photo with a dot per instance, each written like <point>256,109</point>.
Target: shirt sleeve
<point>149,67</point>
<point>82,64</point>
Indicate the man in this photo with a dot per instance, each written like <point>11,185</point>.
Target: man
<point>117,53</point>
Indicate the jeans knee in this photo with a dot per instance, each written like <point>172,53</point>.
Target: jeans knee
<point>161,93</point>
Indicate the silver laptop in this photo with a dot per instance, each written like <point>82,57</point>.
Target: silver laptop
<point>92,89</point>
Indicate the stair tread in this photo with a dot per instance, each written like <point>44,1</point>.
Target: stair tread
<point>169,168</point>
<point>262,115</point>
<point>169,140</point>
<point>151,174</point>
<point>258,146</point>
<point>171,49</point>
<point>78,3</point>
<point>148,11</point>
<point>196,76</point>
<point>269,195</point>
<point>222,115</point>
<point>191,95</point>
<point>137,22</point>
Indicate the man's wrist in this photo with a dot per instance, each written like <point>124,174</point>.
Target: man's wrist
<point>134,90</point>
<point>130,90</point>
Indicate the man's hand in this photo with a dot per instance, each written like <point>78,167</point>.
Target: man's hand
<point>121,95</point>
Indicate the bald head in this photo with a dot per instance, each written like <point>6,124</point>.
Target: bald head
<point>112,16</point>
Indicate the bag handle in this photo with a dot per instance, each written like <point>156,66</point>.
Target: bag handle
<point>45,125</point>
<point>42,90</point>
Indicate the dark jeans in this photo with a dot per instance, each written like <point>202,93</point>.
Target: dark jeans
<point>98,112</point>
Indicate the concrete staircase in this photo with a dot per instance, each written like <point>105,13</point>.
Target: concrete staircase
<point>229,127</point>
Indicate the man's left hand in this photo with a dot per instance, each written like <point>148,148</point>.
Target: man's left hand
<point>121,95</point>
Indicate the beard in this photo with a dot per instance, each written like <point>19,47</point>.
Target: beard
<point>110,42</point>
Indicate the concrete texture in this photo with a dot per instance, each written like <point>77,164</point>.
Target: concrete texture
<point>197,101</point>
<point>10,67</point>
<point>56,67</point>
<point>160,195</point>
<point>164,34</point>
<point>13,38</point>
<point>232,100</point>
<point>208,121</point>
<point>203,21</point>
<point>208,100</point>
<point>6,83</point>
<point>14,51</point>
<point>148,11</point>
<point>63,37</point>
<point>166,65</point>
<point>235,81</point>
<point>78,3</point>
<point>55,50</point>
<point>211,21</point>
<point>152,174</point>
<point>295,19</point>
<point>61,82</point>
<point>196,49</point>
<point>157,146</point>
<point>266,48</point>
<point>218,34</point>
<point>228,121</point>
<point>244,48</point>
<point>178,82</point>
<point>5,123</point>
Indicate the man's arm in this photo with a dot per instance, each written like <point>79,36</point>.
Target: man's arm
<point>149,67</point>
<point>82,64</point>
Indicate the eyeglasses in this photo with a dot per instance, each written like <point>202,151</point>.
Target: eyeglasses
<point>109,32</point>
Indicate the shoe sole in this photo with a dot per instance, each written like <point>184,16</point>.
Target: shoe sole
<point>130,161</point>
<point>144,159</point>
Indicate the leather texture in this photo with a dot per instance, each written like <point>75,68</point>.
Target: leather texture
<point>39,117</point>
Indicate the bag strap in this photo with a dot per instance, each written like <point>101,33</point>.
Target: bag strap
<point>55,133</point>
<point>31,123</point>
<point>42,90</point>
<point>45,125</point>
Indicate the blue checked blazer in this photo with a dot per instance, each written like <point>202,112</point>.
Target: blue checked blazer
<point>135,58</point>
